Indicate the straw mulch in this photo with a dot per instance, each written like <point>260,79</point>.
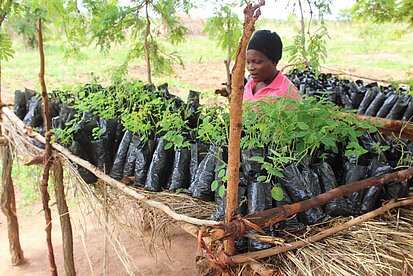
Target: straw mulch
<point>382,246</point>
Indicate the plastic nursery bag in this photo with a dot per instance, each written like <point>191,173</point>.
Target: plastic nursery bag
<point>353,173</point>
<point>77,149</point>
<point>129,165</point>
<point>180,170</point>
<point>205,174</point>
<point>117,168</point>
<point>290,224</point>
<point>337,206</point>
<point>144,153</point>
<point>293,182</point>
<point>160,167</point>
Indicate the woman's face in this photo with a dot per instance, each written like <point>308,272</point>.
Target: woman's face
<point>260,66</point>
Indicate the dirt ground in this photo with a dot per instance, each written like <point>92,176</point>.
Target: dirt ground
<point>91,262</point>
<point>89,253</point>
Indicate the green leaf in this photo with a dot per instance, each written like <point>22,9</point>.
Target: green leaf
<point>169,145</point>
<point>277,193</point>
<point>258,159</point>
<point>221,173</point>
<point>214,185</point>
<point>261,178</point>
<point>6,50</point>
<point>221,191</point>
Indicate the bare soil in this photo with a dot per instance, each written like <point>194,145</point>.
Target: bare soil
<point>178,258</point>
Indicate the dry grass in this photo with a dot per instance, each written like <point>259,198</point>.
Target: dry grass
<point>383,246</point>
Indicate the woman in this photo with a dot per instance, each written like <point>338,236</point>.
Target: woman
<point>263,53</point>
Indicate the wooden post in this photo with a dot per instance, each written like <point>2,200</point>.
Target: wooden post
<point>8,206</point>
<point>47,154</point>
<point>65,224</point>
<point>251,14</point>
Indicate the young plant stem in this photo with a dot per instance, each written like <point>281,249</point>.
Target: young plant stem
<point>47,154</point>
<point>251,14</point>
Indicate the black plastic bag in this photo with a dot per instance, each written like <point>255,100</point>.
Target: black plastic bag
<point>259,196</point>
<point>311,178</point>
<point>144,153</point>
<point>294,184</point>
<point>205,174</point>
<point>398,109</point>
<point>353,173</point>
<point>102,148</point>
<point>119,132</point>
<point>160,167</point>
<point>193,105</point>
<point>345,99</point>
<point>29,94</point>
<point>120,157</point>
<point>33,117</point>
<point>180,170</point>
<point>20,104</point>
<point>337,206</point>
<point>67,113</point>
<point>408,114</point>
<point>396,190</point>
<point>291,224</point>
<point>198,153</point>
<point>77,149</point>
<point>219,214</point>
<point>376,104</point>
<point>356,98</point>
<point>367,99</point>
<point>259,199</point>
<point>387,105</point>
<point>252,169</point>
<point>129,165</point>
<point>372,195</point>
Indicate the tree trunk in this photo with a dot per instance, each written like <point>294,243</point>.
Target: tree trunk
<point>47,154</point>
<point>8,206</point>
<point>65,224</point>
<point>251,14</point>
<point>146,45</point>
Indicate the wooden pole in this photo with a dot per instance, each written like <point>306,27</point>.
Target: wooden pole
<point>65,224</point>
<point>8,199</point>
<point>8,206</point>
<point>397,128</point>
<point>47,154</point>
<point>251,14</point>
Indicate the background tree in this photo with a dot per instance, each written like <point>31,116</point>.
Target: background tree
<point>226,28</point>
<point>380,11</point>
<point>309,46</point>
<point>7,8</point>
<point>145,23</point>
<point>26,25</point>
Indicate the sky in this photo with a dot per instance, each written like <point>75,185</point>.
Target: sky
<point>276,9</point>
